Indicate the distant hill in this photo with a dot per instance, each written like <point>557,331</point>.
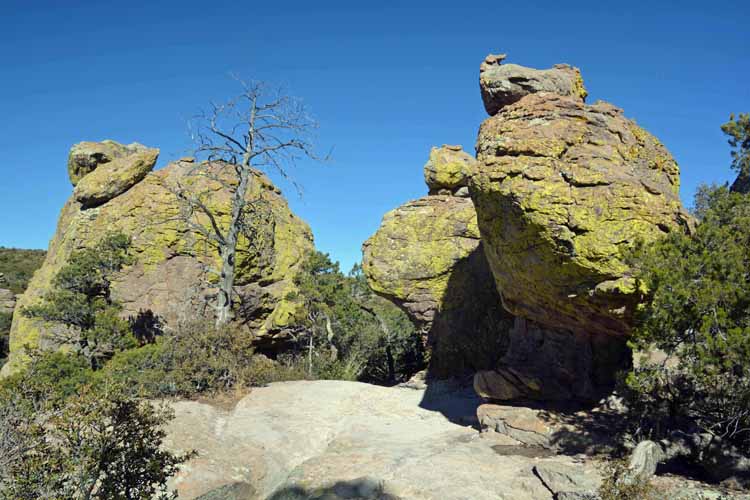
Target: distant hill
<point>18,265</point>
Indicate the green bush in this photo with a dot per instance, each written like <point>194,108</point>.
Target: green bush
<point>617,485</point>
<point>697,313</point>
<point>49,378</point>
<point>80,301</point>
<point>197,358</point>
<point>99,443</point>
<point>347,332</point>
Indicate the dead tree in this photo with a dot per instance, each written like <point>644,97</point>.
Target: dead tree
<point>260,130</point>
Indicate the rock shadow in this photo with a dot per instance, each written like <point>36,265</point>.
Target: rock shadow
<point>364,488</point>
<point>468,334</point>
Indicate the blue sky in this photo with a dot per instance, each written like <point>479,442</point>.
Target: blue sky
<point>386,81</point>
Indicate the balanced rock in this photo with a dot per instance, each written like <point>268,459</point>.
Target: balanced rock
<point>427,258</point>
<point>113,178</point>
<point>168,277</point>
<point>448,170</point>
<point>86,156</point>
<point>562,189</point>
<point>504,84</point>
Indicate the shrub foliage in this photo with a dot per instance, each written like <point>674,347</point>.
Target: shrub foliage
<point>698,314</point>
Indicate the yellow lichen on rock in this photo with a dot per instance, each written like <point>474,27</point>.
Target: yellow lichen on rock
<point>561,190</point>
<point>427,258</point>
<point>170,274</point>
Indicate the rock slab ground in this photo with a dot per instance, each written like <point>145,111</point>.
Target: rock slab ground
<point>334,439</point>
<point>344,440</point>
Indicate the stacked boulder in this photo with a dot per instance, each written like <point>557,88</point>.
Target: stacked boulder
<point>427,258</point>
<point>562,189</point>
<point>115,190</point>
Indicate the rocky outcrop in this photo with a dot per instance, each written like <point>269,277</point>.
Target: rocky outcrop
<point>562,189</point>
<point>369,442</point>
<point>427,258</point>
<point>504,84</point>
<point>169,275</point>
<point>553,364</point>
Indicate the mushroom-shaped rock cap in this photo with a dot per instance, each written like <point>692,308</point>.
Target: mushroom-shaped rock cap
<point>504,84</point>
<point>86,156</point>
<point>448,168</point>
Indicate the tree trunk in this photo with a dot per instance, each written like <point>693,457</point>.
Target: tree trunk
<point>309,354</point>
<point>228,249</point>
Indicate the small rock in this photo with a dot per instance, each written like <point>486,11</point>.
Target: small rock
<point>86,156</point>
<point>521,424</point>
<point>563,478</point>
<point>645,458</point>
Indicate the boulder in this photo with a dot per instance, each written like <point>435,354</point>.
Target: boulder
<point>113,178</point>
<point>427,258</point>
<point>505,84</point>
<point>526,426</point>
<point>568,480</point>
<point>86,156</point>
<point>168,277</point>
<point>562,189</point>
<point>448,169</point>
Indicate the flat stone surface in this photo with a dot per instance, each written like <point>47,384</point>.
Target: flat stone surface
<point>333,439</point>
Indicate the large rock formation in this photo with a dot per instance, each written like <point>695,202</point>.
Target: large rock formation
<point>427,258</point>
<point>169,276</point>
<point>562,189</point>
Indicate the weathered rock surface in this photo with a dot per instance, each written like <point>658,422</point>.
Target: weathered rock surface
<point>7,301</point>
<point>352,440</point>
<point>526,426</point>
<point>168,277</point>
<point>427,258</point>
<point>561,190</point>
<point>86,156</point>
<point>504,84</point>
<point>113,178</point>
<point>551,364</point>
<point>337,440</point>
<point>448,170</point>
